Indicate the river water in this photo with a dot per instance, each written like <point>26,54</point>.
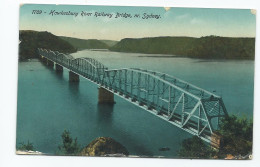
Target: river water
<point>48,104</point>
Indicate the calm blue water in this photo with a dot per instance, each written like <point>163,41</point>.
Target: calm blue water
<point>48,104</point>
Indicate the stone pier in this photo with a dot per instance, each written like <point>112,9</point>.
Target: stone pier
<point>58,67</point>
<point>44,60</point>
<point>73,77</point>
<point>105,97</point>
<point>50,63</point>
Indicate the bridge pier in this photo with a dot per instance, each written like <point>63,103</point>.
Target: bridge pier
<point>104,96</point>
<point>50,63</point>
<point>58,67</point>
<point>44,60</point>
<point>73,77</point>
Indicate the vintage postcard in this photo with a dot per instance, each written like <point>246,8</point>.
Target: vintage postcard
<point>160,82</point>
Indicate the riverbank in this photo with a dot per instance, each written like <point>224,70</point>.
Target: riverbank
<point>209,47</point>
<point>30,41</point>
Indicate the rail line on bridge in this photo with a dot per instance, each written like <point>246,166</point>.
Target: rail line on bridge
<point>180,103</point>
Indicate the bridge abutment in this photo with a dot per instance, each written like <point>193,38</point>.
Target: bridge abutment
<point>58,67</point>
<point>73,77</point>
<point>105,96</point>
<point>216,140</point>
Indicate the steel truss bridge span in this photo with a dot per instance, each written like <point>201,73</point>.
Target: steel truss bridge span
<point>180,103</point>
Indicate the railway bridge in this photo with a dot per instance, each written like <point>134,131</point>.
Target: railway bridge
<point>177,102</point>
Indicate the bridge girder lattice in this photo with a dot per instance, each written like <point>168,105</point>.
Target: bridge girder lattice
<point>180,103</point>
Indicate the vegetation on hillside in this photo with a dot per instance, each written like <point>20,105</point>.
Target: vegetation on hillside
<point>237,136</point>
<point>31,40</point>
<point>26,147</point>
<point>101,146</point>
<point>205,47</point>
<point>237,141</point>
<point>210,47</point>
<point>81,44</point>
<point>110,43</point>
<point>195,148</point>
<point>69,145</point>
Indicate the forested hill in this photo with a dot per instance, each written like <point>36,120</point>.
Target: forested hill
<point>81,44</point>
<point>205,47</point>
<point>31,40</point>
<point>110,43</point>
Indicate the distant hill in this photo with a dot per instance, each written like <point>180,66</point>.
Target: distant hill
<point>31,40</point>
<point>110,43</point>
<point>205,47</point>
<point>81,44</point>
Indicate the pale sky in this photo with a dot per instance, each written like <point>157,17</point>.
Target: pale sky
<point>194,22</point>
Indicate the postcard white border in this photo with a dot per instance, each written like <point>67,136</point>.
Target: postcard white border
<point>9,13</point>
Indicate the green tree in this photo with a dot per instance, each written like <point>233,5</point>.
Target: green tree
<point>237,136</point>
<point>26,147</point>
<point>195,148</point>
<point>69,146</point>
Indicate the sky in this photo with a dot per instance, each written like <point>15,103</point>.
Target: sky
<point>67,20</point>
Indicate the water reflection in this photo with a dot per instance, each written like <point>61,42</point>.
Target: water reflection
<point>74,88</point>
<point>104,113</point>
<point>59,74</point>
<point>105,118</point>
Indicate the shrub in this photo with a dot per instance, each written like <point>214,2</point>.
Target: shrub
<point>69,146</point>
<point>26,147</point>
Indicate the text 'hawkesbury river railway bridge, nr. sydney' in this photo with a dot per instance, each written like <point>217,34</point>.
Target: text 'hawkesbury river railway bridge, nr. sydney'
<point>180,103</point>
